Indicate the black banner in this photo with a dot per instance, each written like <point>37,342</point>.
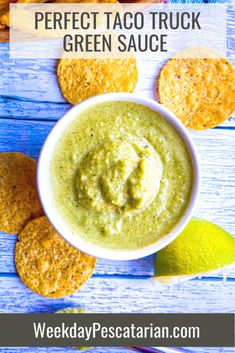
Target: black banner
<point>114,330</point>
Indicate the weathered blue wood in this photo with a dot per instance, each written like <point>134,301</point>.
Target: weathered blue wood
<point>29,110</point>
<point>107,350</point>
<point>21,109</point>
<point>74,350</point>
<point>26,78</point>
<point>23,136</point>
<point>119,295</point>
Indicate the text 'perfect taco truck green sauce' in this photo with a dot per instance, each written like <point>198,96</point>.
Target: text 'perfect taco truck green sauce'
<point>121,176</point>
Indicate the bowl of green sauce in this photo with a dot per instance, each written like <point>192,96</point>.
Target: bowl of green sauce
<point>118,176</point>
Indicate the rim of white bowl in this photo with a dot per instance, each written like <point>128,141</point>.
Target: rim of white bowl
<point>45,192</point>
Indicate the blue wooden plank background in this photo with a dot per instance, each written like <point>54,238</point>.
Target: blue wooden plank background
<point>30,104</point>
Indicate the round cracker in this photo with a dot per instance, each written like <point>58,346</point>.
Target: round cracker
<point>199,90</point>
<point>47,264</point>
<point>80,79</point>
<point>19,201</point>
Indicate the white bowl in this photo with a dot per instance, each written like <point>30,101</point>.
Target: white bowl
<point>46,196</point>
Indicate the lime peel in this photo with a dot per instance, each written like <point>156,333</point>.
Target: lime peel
<point>202,248</point>
<point>169,280</point>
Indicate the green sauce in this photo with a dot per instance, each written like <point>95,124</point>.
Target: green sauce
<point>121,175</point>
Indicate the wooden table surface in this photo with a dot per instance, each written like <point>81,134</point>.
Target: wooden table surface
<point>30,104</point>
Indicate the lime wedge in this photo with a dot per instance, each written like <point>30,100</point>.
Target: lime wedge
<point>72,311</point>
<point>202,247</point>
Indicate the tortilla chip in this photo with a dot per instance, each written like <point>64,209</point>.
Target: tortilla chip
<point>200,91</point>
<point>5,15</point>
<point>4,6</point>
<point>5,19</point>
<point>80,79</point>
<point>19,201</point>
<point>47,264</point>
